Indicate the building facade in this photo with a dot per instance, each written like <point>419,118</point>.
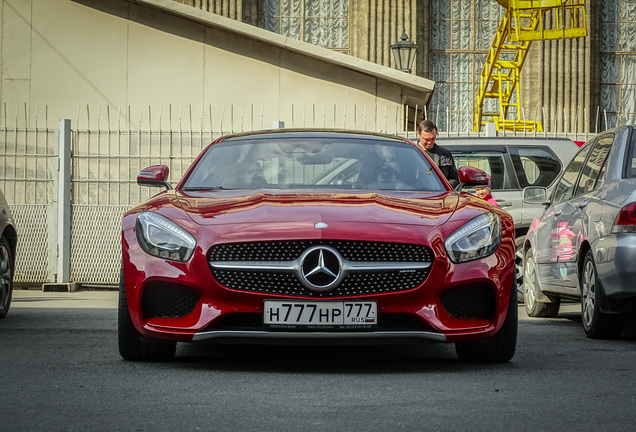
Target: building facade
<point>579,84</point>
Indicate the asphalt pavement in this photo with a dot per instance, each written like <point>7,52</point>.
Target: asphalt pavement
<point>61,371</point>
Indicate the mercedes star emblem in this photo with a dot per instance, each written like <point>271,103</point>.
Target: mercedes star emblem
<point>320,268</point>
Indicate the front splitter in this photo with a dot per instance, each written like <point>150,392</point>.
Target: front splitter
<point>296,337</point>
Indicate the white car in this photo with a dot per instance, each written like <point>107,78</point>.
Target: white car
<point>513,164</point>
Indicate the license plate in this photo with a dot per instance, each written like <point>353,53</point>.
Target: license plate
<point>329,314</point>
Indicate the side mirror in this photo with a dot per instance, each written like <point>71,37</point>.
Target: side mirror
<point>535,195</point>
<point>471,177</point>
<point>154,176</point>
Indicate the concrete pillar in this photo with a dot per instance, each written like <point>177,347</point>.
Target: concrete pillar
<point>64,203</point>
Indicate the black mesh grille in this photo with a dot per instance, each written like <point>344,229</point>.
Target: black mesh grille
<point>354,284</point>
<point>350,250</point>
<point>166,301</point>
<point>287,284</point>
<point>470,302</point>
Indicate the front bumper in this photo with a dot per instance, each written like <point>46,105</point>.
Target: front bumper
<point>310,338</point>
<point>455,303</point>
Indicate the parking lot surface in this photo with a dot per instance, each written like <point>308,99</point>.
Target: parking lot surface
<point>61,371</point>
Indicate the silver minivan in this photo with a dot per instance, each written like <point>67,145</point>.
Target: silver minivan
<point>514,163</point>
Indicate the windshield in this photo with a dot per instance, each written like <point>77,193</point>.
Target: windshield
<point>315,162</point>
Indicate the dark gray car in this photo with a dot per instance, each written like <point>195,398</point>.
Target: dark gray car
<point>583,246</point>
<point>8,241</point>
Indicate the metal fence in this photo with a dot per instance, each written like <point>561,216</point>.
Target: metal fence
<point>68,187</point>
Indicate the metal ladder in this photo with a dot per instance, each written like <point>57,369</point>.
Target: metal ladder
<point>524,21</point>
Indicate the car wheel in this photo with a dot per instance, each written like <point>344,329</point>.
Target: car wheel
<point>6,276</point>
<point>498,349</point>
<point>596,324</point>
<point>131,344</point>
<point>532,292</point>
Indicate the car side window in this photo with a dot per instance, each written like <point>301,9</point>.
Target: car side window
<point>491,162</point>
<point>565,188</point>
<point>595,162</point>
<point>534,166</point>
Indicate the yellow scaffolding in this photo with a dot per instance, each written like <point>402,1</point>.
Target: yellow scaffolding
<point>523,22</point>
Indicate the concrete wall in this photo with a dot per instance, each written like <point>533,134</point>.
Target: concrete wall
<point>159,58</point>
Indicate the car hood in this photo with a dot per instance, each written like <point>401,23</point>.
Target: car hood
<point>237,207</point>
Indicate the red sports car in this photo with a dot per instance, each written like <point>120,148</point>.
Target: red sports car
<point>316,236</point>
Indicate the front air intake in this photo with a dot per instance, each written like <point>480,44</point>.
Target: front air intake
<point>167,301</point>
<point>470,302</point>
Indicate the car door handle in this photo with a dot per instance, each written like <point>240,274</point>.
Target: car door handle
<point>558,212</point>
<point>582,204</point>
<point>504,203</point>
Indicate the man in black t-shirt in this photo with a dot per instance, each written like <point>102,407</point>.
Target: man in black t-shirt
<point>427,133</point>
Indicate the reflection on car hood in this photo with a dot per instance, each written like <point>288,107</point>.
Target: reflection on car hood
<point>236,207</point>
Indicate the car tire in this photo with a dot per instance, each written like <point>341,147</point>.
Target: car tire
<point>497,349</point>
<point>132,346</point>
<point>532,291</point>
<point>6,276</point>
<point>596,324</point>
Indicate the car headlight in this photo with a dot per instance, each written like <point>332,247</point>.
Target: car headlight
<point>161,237</point>
<point>477,239</point>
